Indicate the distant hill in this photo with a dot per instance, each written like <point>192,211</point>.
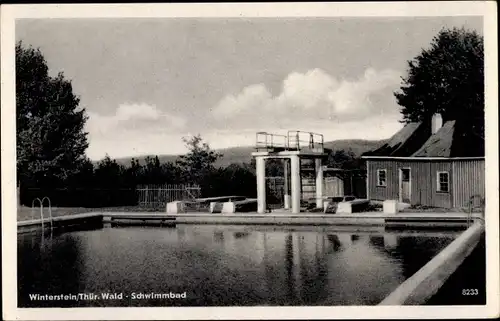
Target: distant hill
<point>357,146</point>
<point>244,154</point>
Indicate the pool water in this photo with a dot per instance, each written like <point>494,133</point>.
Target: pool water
<point>221,265</point>
<point>470,277</point>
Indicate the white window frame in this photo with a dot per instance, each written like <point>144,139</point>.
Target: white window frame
<point>438,181</point>
<point>378,177</point>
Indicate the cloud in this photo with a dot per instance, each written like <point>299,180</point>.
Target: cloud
<point>313,95</point>
<point>134,118</point>
<point>134,129</point>
<point>362,108</point>
<point>250,98</point>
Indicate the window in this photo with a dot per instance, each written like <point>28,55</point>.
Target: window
<point>443,182</point>
<point>381,177</point>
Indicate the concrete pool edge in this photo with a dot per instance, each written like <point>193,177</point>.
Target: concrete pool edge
<point>365,219</point>
<point>422,285</point>
<point>260,219</point>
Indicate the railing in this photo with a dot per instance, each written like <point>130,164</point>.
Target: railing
<point>271,141</point>
<point>475,202</point>
<point>294,140</point>
<point>42,218</point>
<point>299,140</point>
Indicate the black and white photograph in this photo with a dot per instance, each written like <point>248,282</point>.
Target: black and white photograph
<point>256,156</point>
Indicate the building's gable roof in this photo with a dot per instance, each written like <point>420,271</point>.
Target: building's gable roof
<point>405,142</point>
<point>439,144</point>
<point>452,140</point>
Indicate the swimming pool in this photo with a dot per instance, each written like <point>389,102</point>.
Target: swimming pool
<point>211,265</point>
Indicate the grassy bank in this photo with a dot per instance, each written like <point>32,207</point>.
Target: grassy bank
<point>25,213</point>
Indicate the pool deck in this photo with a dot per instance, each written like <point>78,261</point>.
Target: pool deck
<point>403,220</point>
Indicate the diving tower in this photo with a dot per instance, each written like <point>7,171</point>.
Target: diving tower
<point>296,149</point>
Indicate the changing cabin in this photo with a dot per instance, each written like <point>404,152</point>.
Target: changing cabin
<point>429,164</point>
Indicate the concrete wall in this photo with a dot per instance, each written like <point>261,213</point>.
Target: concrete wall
<point>421,286</point>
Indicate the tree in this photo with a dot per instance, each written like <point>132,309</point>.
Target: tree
<point>109,174</point>
<point>133,173</point>
<point>447,78</point>
<point>344,160</point>
<point>239,180</point>
<point>171,172</point>
<point>51,140</point>
<point>275,168</point>
<point>83,177</point>
<point>199,161</point>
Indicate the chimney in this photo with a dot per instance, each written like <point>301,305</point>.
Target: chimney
<point>436,123</point>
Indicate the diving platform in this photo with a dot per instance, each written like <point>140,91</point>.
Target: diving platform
<point>301,152</point>
<point>293,143</point>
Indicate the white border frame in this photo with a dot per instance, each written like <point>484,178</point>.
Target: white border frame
<point>486,9</point>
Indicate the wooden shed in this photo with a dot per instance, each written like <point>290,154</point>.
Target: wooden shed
<point>443,171</point>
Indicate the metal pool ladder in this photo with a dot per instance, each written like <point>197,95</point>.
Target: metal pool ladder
<point>41,202</point>
<point>475,202</point>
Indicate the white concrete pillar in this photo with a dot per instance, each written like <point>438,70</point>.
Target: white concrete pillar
<point>319,182</point>
<point>390,207</point>
<point>215,207</point>
<point>261,184</point>
<point>228,207</point>
<point>175,207</point>
<point>286,187</point>
<point>295,175</point>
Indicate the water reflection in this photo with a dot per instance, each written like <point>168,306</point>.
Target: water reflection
<point>335,242</point>
<point>45,270</point>
<point>377,241</point>
<point>224,265</point>
<point>218,236</point>
<point>240,235</point>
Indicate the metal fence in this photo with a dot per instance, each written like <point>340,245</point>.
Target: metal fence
<point>275,191</point>
<point>160,195</point>
<point>150,196</point>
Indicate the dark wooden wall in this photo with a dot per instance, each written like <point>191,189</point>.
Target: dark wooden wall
<point>468,179</point>
<point>423,181</point>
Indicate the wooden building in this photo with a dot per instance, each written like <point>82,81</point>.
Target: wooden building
<point>432,165</point>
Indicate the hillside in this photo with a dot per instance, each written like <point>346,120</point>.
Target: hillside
<point>243,154</point>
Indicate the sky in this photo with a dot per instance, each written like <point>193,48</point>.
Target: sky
<point>146,83</point>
